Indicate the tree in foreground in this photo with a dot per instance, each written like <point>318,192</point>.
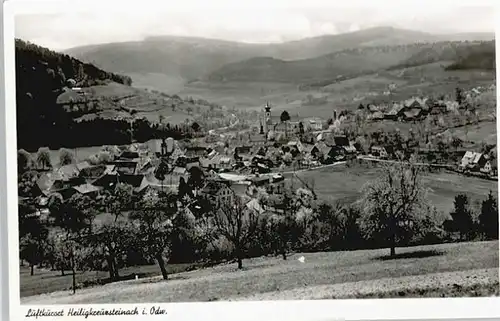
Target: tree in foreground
<point>112,241</point>
<point>238,224</point>
<point>120,200</point>
<point>332,230</point>
<point>488,219</point>
<point>74,217</point>
<point>154,226</point>
<point>33,235</point>
<point>394,205</point>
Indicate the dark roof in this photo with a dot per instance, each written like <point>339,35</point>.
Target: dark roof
<point>212,186</point>
<point>107,180</point>
<point>129,155</point>
<point>93,171</point>
<point>134,180</point>
<point>277,118</point>
<point>67,192</point>
<point>277,179</point>
<point>257,138</point>
<point>341,140</point>
<point>243,149</point>
<point>196,148</point>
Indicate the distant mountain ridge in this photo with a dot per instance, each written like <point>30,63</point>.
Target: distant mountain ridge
<point>346,63</point>
<point>192,58</point>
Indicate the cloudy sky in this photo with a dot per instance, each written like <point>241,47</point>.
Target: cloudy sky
<point>65,26</point>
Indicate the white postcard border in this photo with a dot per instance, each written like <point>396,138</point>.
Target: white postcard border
<point>365,309</point>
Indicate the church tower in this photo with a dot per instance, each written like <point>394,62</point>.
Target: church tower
<point>267,118</point>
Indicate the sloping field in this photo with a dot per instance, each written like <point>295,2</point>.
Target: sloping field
<point>341,184</point>
<point>485,132</point>
<point>264,278</point>
<point>112,97</point>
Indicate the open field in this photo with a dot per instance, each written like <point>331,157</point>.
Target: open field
<point>113,97</point>
<point>336,274</point>
<point>430,79</point>
<point>45,281</point>
<point>476,134</point>
<point>345,184</point>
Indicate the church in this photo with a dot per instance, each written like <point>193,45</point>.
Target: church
<point>270,123</point>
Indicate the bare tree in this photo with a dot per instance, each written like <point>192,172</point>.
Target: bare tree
<point>66,157</point>
<point>236,223</point>
<point>394,204</point>
<point>154,226</point>
<point>43,158</point>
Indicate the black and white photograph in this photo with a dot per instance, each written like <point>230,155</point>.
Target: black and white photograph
<point>256,154</point>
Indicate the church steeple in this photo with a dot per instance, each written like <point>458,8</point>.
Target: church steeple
<point>267,118</point>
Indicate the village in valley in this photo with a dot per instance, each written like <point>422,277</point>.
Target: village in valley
<point>264,156</point>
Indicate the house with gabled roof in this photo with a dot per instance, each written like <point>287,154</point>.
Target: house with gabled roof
<point>125,167</point>
<point>257,139</point>
<point>438,107</point>
<point>334,154</point>
<point>413,103</point>
<point>216,162</point>
<point>375,116</point>
<point>87,189</point>
<point>195,151</point>
<point>297,145</point>
<point>412,114</point>
<point>179,171</point>
<point>395,112</point>
<point>372,108</point>
<point>93,172</point>
<point>68,171</point>
<point>473,161</point>
<point>218,192</point>
<point>319,149</point>
<point>313,123</point>
<point>108,181</point>
<point>129,155</point>
<point>379,151</point>
<point>133,180</point>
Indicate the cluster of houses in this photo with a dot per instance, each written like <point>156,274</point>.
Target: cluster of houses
<point>417,108</point>
<point>227,171</point>
<point>409,110</point>
<point>474,162</point>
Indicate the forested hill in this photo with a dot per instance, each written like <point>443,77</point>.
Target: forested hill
<point>41,76</point>
<point>32,59</point>
<point>479,57</point>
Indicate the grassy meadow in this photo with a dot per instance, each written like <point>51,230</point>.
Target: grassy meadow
<point>463,269</point>
<point>344,185</point>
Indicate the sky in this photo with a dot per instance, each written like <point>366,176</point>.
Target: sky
<point>254,22</point>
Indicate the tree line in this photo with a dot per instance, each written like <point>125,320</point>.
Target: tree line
<point>121,228</point>
<point>69,133</point>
